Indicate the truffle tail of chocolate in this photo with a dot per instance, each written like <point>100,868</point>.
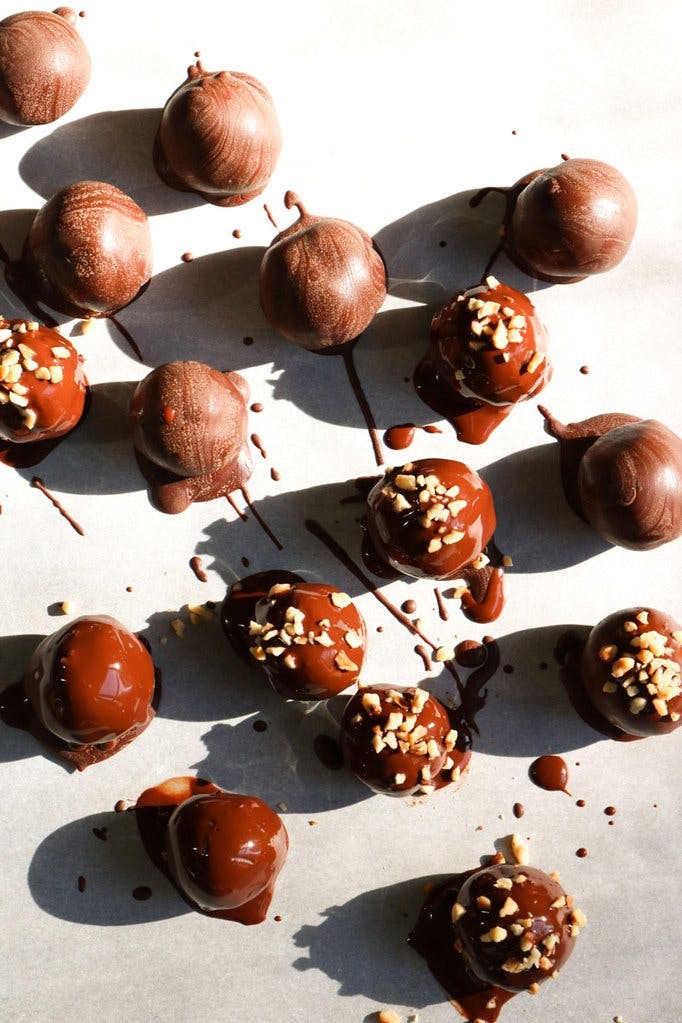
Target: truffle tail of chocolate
<point>484,600</point>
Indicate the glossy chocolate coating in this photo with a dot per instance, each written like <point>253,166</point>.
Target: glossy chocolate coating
<point>630,668</point>
<point>570,221</point>
<point>219,137</point>
<point>92,682</point>
<point>500,957</point>
<point>488,352</point>
<point>322,281</point>
<point>397,526</point>
<point>88,251</point>
<point>420,752</point>
<point>44,67</point>
<point>310,638</point>
<point>222,851</point>
<point>49,407</point>
<point>189,425</point>
<point>623,475</point>
<point>239,606</point>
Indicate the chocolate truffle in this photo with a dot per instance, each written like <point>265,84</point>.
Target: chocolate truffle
<point>222,851</point>
<point>189,425</point>
<point>623,475</point>
<point>322,280</point>
<point>88,251</point>
<point>44,67</point>
<point>400,742</point>
<point>42,383</point>
<point>488,351</point>
<point>568,222</point>
<point>431,518</point>
<point>630,667</point>
<point>310,638</point>
<point>514,926</point>
<point>91,686</point>
<point>219,137</point>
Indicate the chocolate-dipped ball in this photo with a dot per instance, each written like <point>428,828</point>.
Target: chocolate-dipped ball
<point>570,221</point>
<point>42,383</point>
<point>322,281</point>
<point>310,638</point>
<point>514,926</point>
<point>623,475</point>
<point>88,251</point>
<point>400,742</point>
<point>630,667</point>
<point>221,850</point>
<point>239,606</point>
<point>44,67</point>
<point>91,684</point>
<point>488,351</point>
<point>189,425</point>
<point>430,518</point>
<point>219,137</point>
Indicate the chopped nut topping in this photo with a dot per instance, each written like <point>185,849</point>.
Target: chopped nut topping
<point>278,588</point>
<point>344,663</point>
<point>503,882</point>
<point>495,934</point>
<point>444,653</point>
<point>400,779</point>
<point>340,599</point>
<point>536,361</point>
<point>483,902</point>
<point>371,703</point>
<point>509,907</point>
<point>178,626</point>
<point>519,851</point>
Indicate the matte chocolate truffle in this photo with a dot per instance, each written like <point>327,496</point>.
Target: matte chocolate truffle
<point>88,251</point>
<point>431,518</point>
<point>310,638</point>
<point>91,686</point>
<point>623,475</point>
<point>570,221</point>
<point>44,67</point>
<point>630,667</point>
<point>488,351</point>
<point>219,137</point>
<point>322,280</point>
<point>400,742</point>
<point>189,425</point>
<point>514,926</point>
<point>42,383</point>
<point>221,850</point>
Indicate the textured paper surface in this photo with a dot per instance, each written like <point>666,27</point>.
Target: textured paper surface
<point>391,116</point>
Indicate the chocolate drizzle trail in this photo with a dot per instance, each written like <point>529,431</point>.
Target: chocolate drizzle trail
<point>128,336</point>
<point>39,485</point>
<point>550,773</point>
<point>424,654</point>
<point>268,214</point>
<point>235,507</point>
<point>260,520</point>
<point>258,445</point>
<point>361,399</point>
<point>196,565</point>
<point>443,612</point>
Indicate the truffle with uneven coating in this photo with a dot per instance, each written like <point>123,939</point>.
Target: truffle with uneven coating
<point>189,425</point>
<point>488,352</point>
<point>630,668</point>
<point>219,137</point>
<point>222,851</point>
<point>431,518</point>
<point>322,280</point>
<point>42,383</point>
<point>400,742</point>
<point>44,67</point>
<point>91,686</point>
<point>623,475</point>
<point>88,251</point>
<point>570,221</point>
<point>514,926</point>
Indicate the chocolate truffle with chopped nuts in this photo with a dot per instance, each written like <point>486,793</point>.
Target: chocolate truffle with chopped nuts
<point>222,851</point>
<point>631,666</point>
<point>91,686</point>
<point>400,742</point>
<point>430,518</point>
<point>488,351</point>
<point>42,383</point>
<point>309,637</point>
<point>189,425</point>
<point>514,926</point>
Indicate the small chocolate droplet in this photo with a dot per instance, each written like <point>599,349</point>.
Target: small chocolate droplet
<point>584,370</point>
<point>236,233</point>
<point>142,893</point>
<point>245,561</point>
<point>260,726</point>
<point>508,669</point>
<point>120,806</point>
<point>610,811</point>
<point>247,340</point>
<point>581,853</point>
<point>409,606</point>
<point>81,883</point>
<point>256,407</point>
<point>519,810</point>
<point>580,802</point>
<point>187,257</point>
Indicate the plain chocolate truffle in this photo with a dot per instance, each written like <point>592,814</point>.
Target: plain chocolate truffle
<point>488,351</point>
<point>44,67</point>
<point>630,667</point>
<point>219,137</point>
<point>88,251</point>
<point>322,280</point>
<point>570,221</point>
<point>189,425</point>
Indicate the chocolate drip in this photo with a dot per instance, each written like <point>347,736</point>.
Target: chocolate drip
<point>39,485</point>
<point>361,399</point>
